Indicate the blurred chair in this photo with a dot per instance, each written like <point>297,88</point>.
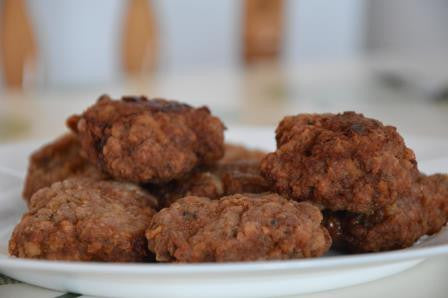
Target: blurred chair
<point>17,46</point>
<point>263,30</point>
<point>140,38</point>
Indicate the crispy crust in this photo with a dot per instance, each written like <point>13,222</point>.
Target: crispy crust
<point>212,183</point>
<point>57,161</point>
<point>236,153</point>
<point>342,162</point>
<point>397,226</point>
<point>141,140</point>
<point>237,172</point>
<point>81,219</point>
<point>241,177</point>
<point>237,228</point>
<point>203,183</point>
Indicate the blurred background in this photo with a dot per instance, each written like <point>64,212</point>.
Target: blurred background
<point>251,61</point>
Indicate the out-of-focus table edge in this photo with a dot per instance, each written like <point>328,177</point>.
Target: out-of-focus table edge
<point>259,95</point>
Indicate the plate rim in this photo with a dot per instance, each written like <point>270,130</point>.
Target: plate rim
<point>9,262</point>
<point>257,266</point>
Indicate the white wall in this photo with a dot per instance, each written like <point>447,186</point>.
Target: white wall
<point>79,40</point>
<point>324,29</point>
<point>407,26</point>
<point>204,33</point>
<point>199,33</point>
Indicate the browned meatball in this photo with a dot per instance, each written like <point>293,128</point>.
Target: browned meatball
<point>241,177</point>
<point>397,226</point>
<point>341,162</point>
<point>236,153</point>
<point>80,219</point>
<point>57,161</point>
<point>201,182</point>
<point>141,140</point>
<point>237,228</point>
<point>227,177</point>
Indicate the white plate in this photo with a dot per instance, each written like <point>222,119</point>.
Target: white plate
<point>257,279</point>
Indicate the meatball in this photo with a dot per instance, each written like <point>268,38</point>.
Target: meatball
<point>57,161</point>
<point>203,183</point>
<point>140,140</point>
<point>81,219</point>
<point>342,162</point>
<point>233,176</point>
<point>237,228</point>
<point>241,176</point>
<point>236,153</point>
<point>239,170</point>
<point>396,226</point>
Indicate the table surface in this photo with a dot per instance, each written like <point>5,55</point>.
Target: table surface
<point>258,96</point>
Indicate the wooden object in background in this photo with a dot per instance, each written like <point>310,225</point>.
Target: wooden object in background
<point>17,46</point>
<point>139,38</point>
<point>263,29</point>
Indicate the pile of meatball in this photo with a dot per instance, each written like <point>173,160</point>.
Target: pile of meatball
<point>152,180</point>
